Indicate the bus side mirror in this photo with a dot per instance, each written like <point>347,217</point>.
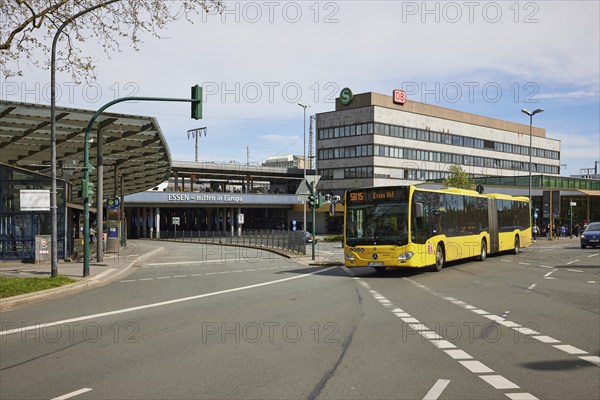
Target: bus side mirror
<point>419,210</point>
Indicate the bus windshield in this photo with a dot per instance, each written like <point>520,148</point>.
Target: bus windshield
<point>377,224</point>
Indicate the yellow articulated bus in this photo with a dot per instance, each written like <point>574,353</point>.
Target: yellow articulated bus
<point>405,226</point>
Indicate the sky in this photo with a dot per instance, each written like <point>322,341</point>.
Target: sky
<point>258,60</point>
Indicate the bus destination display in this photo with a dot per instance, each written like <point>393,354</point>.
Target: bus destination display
<point>377,195</point>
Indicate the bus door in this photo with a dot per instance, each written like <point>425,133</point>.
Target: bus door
<point>493,222</point>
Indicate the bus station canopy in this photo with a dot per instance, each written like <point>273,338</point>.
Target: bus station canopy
<point>133,144</point>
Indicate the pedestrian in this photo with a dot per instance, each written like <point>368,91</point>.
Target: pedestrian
<point>535,231</point>
<point>92,235</point>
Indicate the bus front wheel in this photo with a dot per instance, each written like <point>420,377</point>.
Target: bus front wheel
<point>439,258</point>
<point>517,245</point>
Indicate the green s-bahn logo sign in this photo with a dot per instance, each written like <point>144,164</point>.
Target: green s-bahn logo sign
<point>346,96</point>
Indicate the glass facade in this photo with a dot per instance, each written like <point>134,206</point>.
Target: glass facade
<point>433,137</point>
<point>19,228</point>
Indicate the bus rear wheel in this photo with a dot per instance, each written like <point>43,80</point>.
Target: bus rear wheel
<point>440,258</point>
<point>517,248</point>
<point>483,253</point>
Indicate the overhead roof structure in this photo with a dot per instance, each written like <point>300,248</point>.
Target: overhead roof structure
<point>134,144</point>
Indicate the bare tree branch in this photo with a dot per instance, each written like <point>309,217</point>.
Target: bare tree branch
<point>28,27</point>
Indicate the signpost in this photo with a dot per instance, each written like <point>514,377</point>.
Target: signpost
<point>571,205</point>
<point>175,222</point>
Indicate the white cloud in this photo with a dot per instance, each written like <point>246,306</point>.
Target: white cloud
<point>258,64</point>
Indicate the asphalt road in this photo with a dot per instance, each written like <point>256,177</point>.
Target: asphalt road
<point>226,323</point>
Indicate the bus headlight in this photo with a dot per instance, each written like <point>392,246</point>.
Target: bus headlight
<point>349,256</point>
<point>406,256</point>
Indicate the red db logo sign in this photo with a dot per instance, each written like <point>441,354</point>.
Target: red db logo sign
<point>399,96</point>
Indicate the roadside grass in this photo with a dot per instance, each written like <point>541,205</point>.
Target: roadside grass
<point>16,286</point>
<point>336,238</point>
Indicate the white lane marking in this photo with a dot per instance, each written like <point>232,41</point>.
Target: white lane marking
<point>545,266</point>
<point>551,272</point>
<point>570,349</point>
<point>410,320</point>
<point>508,324</point>
<point>458,354</point>
<point>418,327</point>
<point>526,331</point>
<point>572,262</point>
<point>521,396</point>
<point>128,280</point>
<point>402,314</point>
<point>592,359</point>
<point>546,339</point>
<point>499,382</point>
<point>494,317</point>
<point>480,312</point>
<point>443,344</point>
<point>163,277</point>
<point>176,263</point>
<point>72,394</point>
<point>430,335</point>
<point>574,270</point>
<point>178,276</point>
<point>477,367</point>
<point>437,389</point>
<point>524,263</point>
<point>591,281</point>
<point>593,255</point>
<point>160,304</point>
<point>146,279</point>
<point>532,286</point>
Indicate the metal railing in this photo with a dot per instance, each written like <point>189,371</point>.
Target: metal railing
<point>287,241</point>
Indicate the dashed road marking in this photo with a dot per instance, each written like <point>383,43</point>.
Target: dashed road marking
<point>518,328</point>
<point>72,394</point>
<point>475,366</point>
<point>437,389</point>
<point>205,274</point>
<point>499,382</point>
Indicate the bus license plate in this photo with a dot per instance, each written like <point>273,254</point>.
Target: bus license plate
<point>375,264</point>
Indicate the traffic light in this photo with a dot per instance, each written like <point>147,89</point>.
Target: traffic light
<point>197,102</point>
<point>320,200</point>
<point>87,189</point>
<point>311,200</point>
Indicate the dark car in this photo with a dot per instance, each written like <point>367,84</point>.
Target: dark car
<point>591,235</point>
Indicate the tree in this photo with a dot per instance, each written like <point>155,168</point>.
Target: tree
<point>28,27</point>
<point>458,178</point>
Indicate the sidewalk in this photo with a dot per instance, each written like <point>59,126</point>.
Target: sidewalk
<point>114,266</point>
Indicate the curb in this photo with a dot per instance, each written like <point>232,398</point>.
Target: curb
<point>12,302</point>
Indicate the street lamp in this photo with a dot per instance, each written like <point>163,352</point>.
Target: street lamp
<point>531,114</point>
<point>304,161</point>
